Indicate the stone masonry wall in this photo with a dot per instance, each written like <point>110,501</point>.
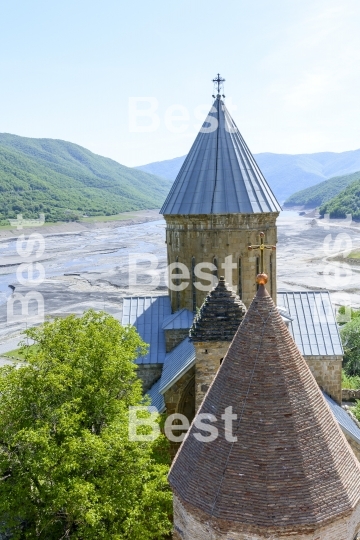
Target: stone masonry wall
<point>327,373</point>
<point>174,401</point>
<point>174,337</point>
<point>208,357</point>
<point>206,237</point>
<point>190,524</point>
<point>348,395</point>
<point>172,397</point>
<point>149,374</point>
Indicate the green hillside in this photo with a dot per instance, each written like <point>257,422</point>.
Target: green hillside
<point>321,193</point>
<point>65,181</point>
<point>346,202</point>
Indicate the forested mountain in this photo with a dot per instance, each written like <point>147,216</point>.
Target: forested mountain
<point>346,202</point>
<point>315,196</point>
<point>285,173</point>
<point>65,181</point>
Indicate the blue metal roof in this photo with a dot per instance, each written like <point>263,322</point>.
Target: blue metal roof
<point>344,420</point>
<point>177,362</point>
<point>313,327</point>
<point>179,320</point>
<point>147,314</point>
<point>220,175</point>
<point>157,399</point>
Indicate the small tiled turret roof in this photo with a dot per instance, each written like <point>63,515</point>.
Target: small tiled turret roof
<point>290,466</point>
<point>219,316</point>
<point>219,174</point>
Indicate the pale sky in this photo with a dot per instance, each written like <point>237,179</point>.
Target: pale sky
<point>292,70</point>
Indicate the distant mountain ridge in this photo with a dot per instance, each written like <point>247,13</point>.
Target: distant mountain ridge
<point>285,173</point>
<point>166,169</point>
<point>319,194</point>
<point>64,181</point>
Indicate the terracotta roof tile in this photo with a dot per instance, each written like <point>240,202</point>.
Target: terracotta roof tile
<point>291,464</point>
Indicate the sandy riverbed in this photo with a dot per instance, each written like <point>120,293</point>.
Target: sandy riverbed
<point>86,265</point>
<point>141,216</point>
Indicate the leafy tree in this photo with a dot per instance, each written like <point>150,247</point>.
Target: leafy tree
<point>350,336</point>
<point>356,410</point>
<point>347,313</point>
<point>352,383</point>
<point>67,466</point>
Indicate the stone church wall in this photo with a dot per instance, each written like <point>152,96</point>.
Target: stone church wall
<point>209,238</point>
<point>180,398</point>
<point>174,337</point>
<point>191,524</point>
<point>327,373</point>
<point>208,358</point>
<point>149,374</point>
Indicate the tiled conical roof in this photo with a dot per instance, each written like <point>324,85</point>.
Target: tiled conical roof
<point>219,316</point>
<point>220,175</point>
<point>291,465</point>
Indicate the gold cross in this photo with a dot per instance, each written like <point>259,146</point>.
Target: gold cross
<point>262,247</point>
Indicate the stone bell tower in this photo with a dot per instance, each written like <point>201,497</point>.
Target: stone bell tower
<point>217,207</point>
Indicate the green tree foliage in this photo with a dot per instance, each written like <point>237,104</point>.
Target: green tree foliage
<point>350,336</point>
<point>351,383</point>
<point>319,194</point>
<point>65,181</point>
<point>68,468</point>
<point>345,314</point>
<point>356,410</point>
<point>346,202</point>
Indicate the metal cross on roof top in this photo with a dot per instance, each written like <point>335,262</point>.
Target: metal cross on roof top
<point>219,82</point>
<point>262,247</point>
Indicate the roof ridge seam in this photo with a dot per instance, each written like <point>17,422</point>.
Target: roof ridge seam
<point>229,158</point>
<point>216,158</point>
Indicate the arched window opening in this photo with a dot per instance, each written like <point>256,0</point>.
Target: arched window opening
<point>178,282</point>
<point>240,279</point>
<point>257,270</point>
<point>193,277</point>
<point>215,272</point>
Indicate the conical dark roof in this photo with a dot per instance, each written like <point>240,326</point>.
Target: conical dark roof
<point>219,316</point>
<point>291,465</point>
<point>220,175</point>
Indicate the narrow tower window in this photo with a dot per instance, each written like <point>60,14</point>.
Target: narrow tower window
<point>240,279</point>
<point>215,271</point>
<point>193,284</point>
<point>178,282</point>
<point>257,269</point>
<point>271,274</point>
